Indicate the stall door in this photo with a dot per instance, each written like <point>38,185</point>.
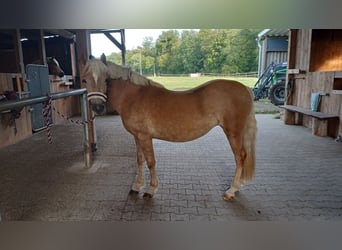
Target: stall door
<point>38,85</point>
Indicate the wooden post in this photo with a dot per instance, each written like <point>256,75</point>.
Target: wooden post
<point>123,46</point>
<point>42,50</point>
<point>19,53</point>
<point>319,127</point>
<point>73,61</point>
<point>83,52</point>
<point>289,117</point>
<point>82,48</point>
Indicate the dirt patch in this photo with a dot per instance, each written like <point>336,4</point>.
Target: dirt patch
<point>264,106</point>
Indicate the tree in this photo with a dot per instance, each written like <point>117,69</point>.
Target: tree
<point>190,54</point>
<point>206,50</point>
<point>166,49</point>
<point>242,52</point>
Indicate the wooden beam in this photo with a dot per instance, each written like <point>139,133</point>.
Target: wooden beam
<point>123,44</point>
<point>82,48</point>
<point>19,57</point>
<point>291,64</point>
<point>113,40</point>
<point>42,50</point>
<point>101,31</point>
<point>60,32</point>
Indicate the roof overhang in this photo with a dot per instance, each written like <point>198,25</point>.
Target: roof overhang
<point>272,33</point>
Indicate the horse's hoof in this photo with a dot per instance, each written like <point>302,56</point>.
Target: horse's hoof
<point>228,197</point>
<point>133,192</point>
<point>147,196</point>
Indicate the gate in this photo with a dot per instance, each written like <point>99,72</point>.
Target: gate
<point>38,85</point>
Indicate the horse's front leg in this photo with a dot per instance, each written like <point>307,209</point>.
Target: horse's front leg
<point>140,179</point>
<point>146,146</point>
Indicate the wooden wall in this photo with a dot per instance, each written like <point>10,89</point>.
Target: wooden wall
<point>8,135</point>
<point>269,56</point>
<point>316,76</point>
<point>67,106</point>
<point>15,53</point>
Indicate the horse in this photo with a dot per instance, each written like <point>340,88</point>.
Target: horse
<point>148,110</point>
<point>53,65</point>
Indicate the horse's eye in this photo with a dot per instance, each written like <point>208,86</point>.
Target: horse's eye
<point>84,81</point>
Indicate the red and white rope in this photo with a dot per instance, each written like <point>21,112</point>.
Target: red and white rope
<point>47,117</point>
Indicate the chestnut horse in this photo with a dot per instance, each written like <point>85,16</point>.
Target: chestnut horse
<point>53,66</point>
<point>148,110</point>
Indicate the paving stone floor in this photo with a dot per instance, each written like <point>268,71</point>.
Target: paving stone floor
<point>298,177</point>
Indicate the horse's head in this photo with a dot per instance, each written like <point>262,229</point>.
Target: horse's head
<point>54,68</point>
<point>95,75</point>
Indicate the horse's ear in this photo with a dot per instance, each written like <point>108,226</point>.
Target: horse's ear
<point>91,57</point>
<point>104,59</point>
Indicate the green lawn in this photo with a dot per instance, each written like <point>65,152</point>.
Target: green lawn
<point>185,82</point>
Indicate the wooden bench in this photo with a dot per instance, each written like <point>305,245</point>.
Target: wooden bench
<point>322,124</point>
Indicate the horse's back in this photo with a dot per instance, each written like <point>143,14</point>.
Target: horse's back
<point>225,94</point>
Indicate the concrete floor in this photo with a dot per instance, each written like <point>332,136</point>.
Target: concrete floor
<point>298,177</point>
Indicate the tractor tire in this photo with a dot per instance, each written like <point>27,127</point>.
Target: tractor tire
<point>277,93</point>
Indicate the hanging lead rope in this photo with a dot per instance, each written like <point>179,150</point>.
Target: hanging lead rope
<point>47,117</point>
<point>78,122</point>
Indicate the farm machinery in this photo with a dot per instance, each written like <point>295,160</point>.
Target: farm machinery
<point>271,84</point>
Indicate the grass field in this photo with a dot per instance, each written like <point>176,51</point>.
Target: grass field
<point>185,82</point>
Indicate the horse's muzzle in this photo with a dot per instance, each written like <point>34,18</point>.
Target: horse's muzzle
<point>97,102</point>
<point>98,109</point>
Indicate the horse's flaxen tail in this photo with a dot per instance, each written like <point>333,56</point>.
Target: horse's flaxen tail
<point>249,139</point>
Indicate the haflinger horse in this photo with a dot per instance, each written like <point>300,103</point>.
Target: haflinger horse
<point>148,110</point>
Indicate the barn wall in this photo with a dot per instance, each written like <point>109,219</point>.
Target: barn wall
<point>67,106</point>
<point>269,54</point>
<point>8,135</point>
<point>14,54</point>
<point>313,78</point>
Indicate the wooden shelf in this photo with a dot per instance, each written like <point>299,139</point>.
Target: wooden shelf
<point>336,92</point>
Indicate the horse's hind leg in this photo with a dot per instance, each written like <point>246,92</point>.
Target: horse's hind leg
<point>140,179</point>
<point>235,140</point>
<point>147,149</point>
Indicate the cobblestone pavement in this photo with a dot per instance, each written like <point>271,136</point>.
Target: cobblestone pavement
<point>298,177</point>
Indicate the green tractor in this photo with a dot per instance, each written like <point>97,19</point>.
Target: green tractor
<point>271,84</point>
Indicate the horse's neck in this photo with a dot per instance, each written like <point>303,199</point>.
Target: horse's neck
<point>121,92</point>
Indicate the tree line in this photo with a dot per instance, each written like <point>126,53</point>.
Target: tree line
<point>221,51</point>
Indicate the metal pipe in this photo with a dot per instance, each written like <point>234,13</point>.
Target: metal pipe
<point>40,99</point>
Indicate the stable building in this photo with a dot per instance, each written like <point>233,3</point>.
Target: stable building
<point>314,81</point>
<point>24,55</point>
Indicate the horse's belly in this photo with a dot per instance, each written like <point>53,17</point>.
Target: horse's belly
<point>182,131</point>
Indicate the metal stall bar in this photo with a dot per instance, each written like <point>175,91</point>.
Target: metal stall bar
<point>84,111</point>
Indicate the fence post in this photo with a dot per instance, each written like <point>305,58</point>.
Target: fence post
<point>86,143</point>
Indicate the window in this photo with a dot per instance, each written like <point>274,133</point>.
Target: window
<point>326,50</point>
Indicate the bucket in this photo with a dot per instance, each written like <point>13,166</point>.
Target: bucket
<point>315,99</point>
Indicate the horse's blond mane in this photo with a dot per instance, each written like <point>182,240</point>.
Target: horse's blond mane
<point>126,73</point>
<point>114,71</point>
<point>94,65</point>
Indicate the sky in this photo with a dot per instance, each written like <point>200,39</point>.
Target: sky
<point>134,38</point>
